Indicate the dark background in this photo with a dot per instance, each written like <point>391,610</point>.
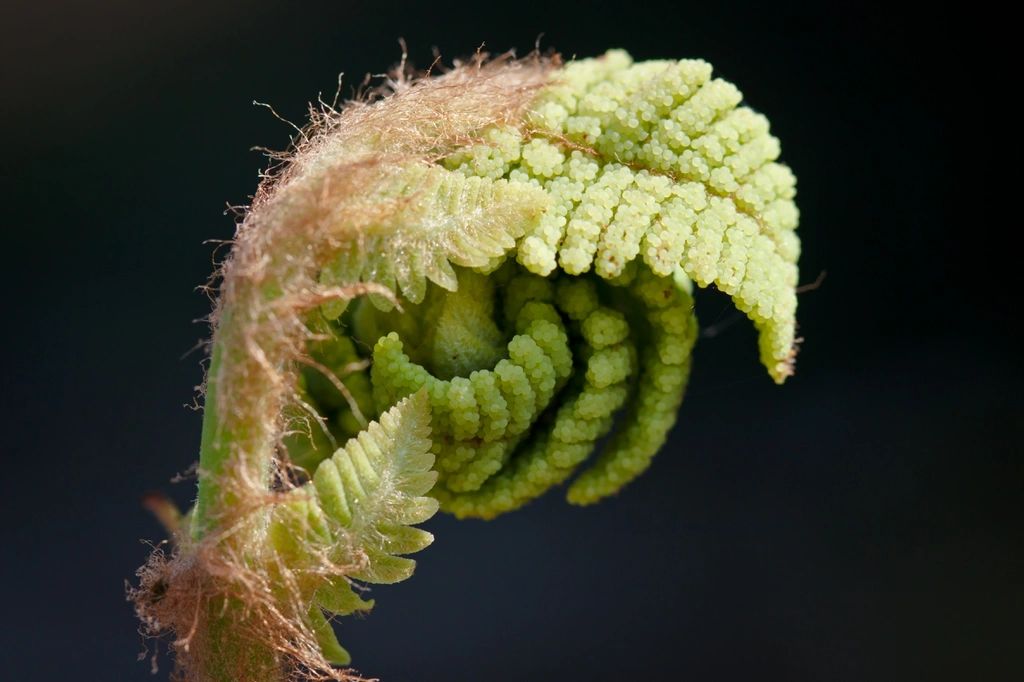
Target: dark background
<point>861,523</point>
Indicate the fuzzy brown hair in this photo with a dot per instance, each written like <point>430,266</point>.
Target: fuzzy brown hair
<point>233,611</point>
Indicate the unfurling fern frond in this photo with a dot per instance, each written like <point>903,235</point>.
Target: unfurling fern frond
<point>452,218</point>
<point>358,512</point>
<point>505,252</point>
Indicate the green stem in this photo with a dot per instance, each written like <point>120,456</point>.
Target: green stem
<point>230,438</point>
<point>213,451</point>
<point>236,437</point>
<point>229,657</point>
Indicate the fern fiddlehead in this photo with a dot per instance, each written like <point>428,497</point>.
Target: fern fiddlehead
<point>482,274</point>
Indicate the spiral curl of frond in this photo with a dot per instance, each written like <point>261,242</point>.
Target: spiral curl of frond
<point>485,272</point>
<point>640,178</point>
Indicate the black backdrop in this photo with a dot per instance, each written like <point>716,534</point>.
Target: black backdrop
<point>860,523</point>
